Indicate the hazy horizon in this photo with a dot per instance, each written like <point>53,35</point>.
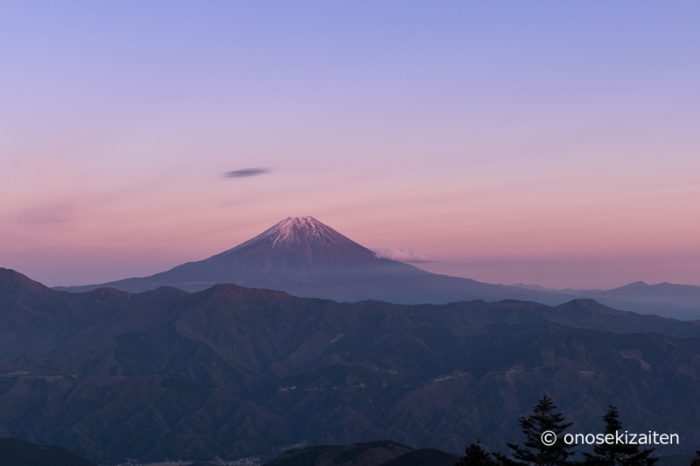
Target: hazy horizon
<point>486,270</point>
<point>529,144</point>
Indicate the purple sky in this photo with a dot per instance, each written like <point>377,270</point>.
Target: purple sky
<point>535,142</point>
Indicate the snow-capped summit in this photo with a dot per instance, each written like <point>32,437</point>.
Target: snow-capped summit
<point>298,243</point>
<point>299,229</point>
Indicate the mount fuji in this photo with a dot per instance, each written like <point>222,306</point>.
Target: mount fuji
<point>307,258</point>
<point>304,257</point>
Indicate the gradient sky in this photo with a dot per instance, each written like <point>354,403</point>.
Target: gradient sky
<point>539,142</point>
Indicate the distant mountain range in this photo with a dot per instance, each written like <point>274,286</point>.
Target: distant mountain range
<point>304,257</point>
<point>681,301</point>
<point>234,372</point>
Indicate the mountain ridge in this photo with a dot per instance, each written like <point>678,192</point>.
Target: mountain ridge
<point>236,372</point>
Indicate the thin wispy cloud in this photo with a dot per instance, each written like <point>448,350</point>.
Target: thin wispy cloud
<point>247,172</point>
<point>402,255</point>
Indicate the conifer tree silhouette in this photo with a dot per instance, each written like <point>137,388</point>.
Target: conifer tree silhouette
<point>544,417</point>
<point>613,454</point>
<point>475,455</point>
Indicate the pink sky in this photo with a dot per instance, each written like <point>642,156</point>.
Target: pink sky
<point>540,231</point>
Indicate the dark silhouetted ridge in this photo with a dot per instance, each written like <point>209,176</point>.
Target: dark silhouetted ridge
<point>11,279</point>
<point>15,452</point>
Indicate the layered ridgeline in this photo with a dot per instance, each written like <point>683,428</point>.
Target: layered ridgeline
<point>234,372</point>
<point>304,257</point>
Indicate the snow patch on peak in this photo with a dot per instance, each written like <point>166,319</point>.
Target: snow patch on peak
<point>297,229</point>
<point>299,232</point>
